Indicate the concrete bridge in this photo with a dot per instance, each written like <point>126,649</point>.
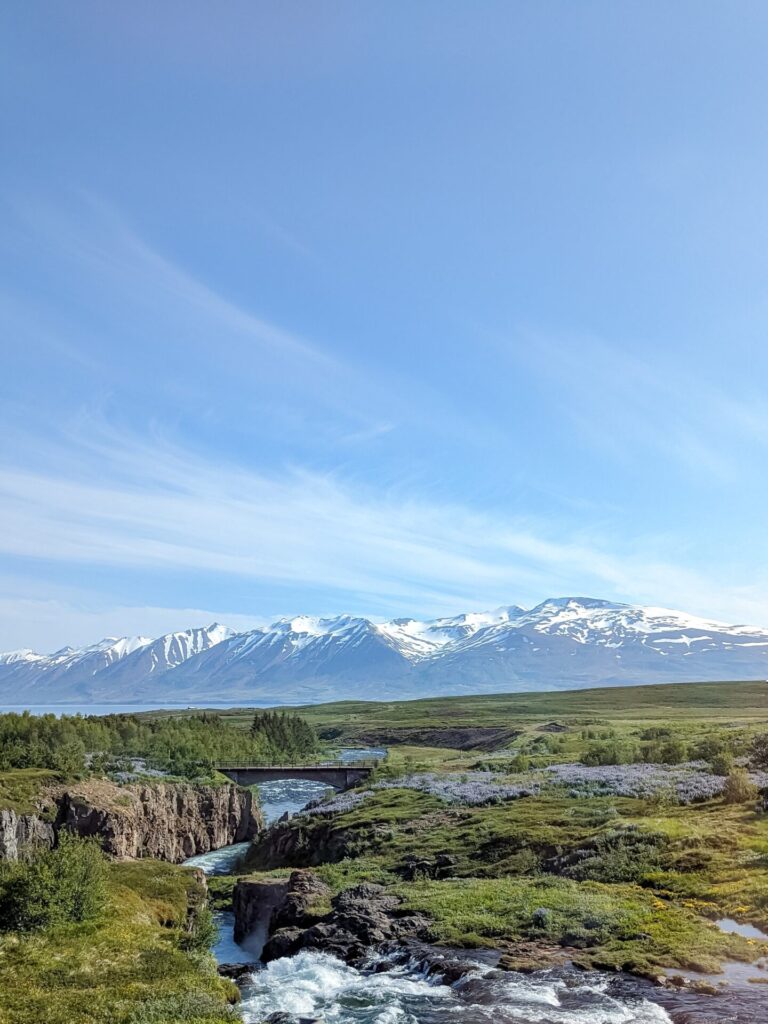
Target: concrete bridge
<point>339,774</point>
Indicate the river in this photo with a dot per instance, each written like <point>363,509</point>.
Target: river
<point>316,986</point>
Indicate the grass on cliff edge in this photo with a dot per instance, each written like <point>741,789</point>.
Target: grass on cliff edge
<point>129,967</point>
<point>20,788</point>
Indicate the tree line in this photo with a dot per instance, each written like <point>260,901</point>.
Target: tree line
<point>187,745</point>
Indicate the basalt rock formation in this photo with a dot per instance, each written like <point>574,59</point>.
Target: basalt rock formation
<point>19,832</point>
<point>293,915</point>
<point>167,821</point>
<point>311,840</point>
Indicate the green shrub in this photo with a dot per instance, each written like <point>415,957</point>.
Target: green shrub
<point>621,855</point>
<point>608,753</point>
<point>759,751</point>
<point>721,764</point>
<point>674,751</point>
<point>739,788</point>
<point>204,932</point>
<point>58,886</point>
<point>655,733</point>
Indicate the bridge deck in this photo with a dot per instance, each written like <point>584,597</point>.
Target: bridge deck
<point>339,774</point>
<point>272,765</point>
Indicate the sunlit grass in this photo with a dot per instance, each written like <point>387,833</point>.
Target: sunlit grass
<point>128,967</point>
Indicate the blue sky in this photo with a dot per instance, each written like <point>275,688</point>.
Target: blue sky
<point>391,308</point>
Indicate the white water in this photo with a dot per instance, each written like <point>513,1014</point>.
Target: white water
<point>316,985</point>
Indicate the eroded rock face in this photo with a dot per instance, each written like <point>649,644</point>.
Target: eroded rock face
<point>254,903</point>
<point>20,832</point>
<point>308,841</point>
<point>263,907</point>
<point>167,821</point>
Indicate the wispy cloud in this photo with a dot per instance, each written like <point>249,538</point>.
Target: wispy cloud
<point>48,624</point>
<point>155,328</point>
<point>154,507</point>
<point>149,331</point>
<point>627,402</point>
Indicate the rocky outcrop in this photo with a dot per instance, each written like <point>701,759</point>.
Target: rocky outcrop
<point>309,840</point>
<point>292,915</point>
<point>264,907</point>
<point>167,821</point>
<point>20,832</point>
<point>253,904</point>
<point>414,868</point>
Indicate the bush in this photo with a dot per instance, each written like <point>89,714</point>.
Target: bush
<point>759,751</point>
<point>602,754</point>
<point>204,932</point>
<point>721,764</point>
<point>655,733</point>
<point>58,886</point>
<point>739,788</point>
<point>622,855</point>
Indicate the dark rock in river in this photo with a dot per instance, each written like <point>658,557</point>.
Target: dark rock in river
<point>294,916</point>
<point>235,971</point>
<point>280,1017</point>
<point>254,904</point>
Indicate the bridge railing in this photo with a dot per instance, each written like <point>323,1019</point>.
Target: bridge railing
<point>233,765</point>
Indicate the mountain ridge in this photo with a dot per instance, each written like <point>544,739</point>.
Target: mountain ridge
<point>561,643</point>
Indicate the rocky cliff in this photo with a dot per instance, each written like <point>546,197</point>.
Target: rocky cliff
<point>21,831</point>
<point>167,821</point>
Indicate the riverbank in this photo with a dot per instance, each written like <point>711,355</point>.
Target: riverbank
<point>620,883</point>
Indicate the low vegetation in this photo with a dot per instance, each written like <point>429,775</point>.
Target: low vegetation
<point>599,830</point>
<point>131,948</point>
<point>20,788</point>
<point>57,886</point>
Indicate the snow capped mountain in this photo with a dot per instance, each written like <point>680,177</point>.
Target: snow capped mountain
<point>561,643</point>
<point>101,668</point>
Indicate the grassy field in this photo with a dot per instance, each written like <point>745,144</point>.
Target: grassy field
<point>20,788</point>
<point>735,702</point>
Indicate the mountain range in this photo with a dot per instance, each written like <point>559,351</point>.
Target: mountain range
<point>562,643</point>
